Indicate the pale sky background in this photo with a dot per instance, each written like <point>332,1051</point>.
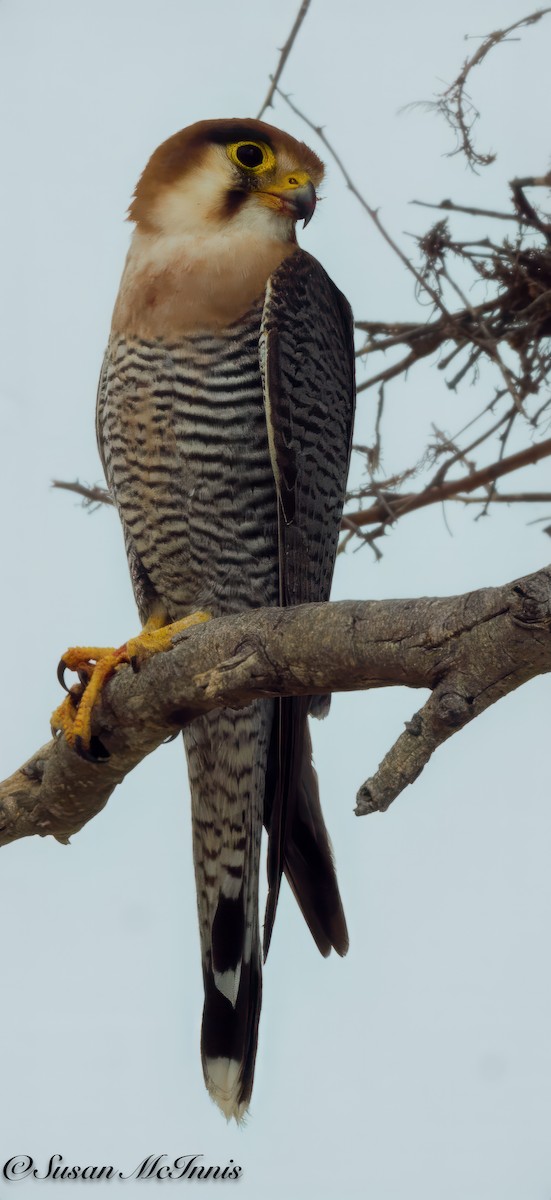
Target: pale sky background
<point>419,1067</point>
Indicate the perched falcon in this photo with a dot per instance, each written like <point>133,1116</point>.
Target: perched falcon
<point>224,418</point>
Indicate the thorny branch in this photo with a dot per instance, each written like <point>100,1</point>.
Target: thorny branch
<point>391,505</point>
<point>510,328</point>
<point>456,106</point>
<point>371,212</point>
<point>469,651</point>
<point>284,54</point>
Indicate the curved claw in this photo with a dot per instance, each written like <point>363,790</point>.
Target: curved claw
<point>171,737</point>
<point>61,669</point>
<point>94,665</point>
<point>83,670</point>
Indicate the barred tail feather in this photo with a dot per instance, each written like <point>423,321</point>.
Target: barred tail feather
<point>227,755</point>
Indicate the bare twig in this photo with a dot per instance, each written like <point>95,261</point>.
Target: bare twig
<point>525,210</point>
<point>284,54</point>
<point>400,505</point>
<point>455,104</point>
<point>372,212</point>
<point>450,206</point>
<point>91,495</point>
<point>508,498</point>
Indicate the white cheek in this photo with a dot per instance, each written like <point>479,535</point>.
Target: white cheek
<point>258,220</point>
<point>182,209</point>
<point>190,207</point>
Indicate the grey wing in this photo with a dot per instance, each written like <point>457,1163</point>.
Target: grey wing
<point>307,363</point>
<point>307,358</point>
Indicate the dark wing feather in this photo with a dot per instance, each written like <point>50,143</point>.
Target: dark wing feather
<point>307,361</point>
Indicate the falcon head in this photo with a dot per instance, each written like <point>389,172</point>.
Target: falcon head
<point>214,175</point>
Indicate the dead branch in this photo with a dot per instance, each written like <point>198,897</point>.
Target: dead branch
<point>516,318</point>
<point>371,212</point>
<point>397,505</point>
<point>284,54</point>
<point>468,650</point>
<point>92,496</point>
<point>514,321</point>
<point>456,106</point>
<point>450,206</point>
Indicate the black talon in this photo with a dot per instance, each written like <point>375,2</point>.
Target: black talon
<point>61,669</point>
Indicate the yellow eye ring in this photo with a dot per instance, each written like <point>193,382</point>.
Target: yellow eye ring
<point>251,156</point>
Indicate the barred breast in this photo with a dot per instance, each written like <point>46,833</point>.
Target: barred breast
<point>182,434</point>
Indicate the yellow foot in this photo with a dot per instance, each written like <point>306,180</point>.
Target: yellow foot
<point>95,664</point>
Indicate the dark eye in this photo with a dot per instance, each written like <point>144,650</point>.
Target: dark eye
<point>249,155</point>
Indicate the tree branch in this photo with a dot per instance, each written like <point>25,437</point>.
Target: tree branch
<point>92,496</point>
<point>284,54</point>
<point>389,508</point>
<point>468,650</point>
<point>456,105</point>
<point>373,213</point>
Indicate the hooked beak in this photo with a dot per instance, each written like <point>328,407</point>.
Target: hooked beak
<point>296,195</point>
<point>303,201</point>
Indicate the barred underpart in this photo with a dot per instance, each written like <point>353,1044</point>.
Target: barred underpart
<point>183,437</point>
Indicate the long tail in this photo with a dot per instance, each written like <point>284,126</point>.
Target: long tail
<point>299,843</point>
<point>227,757</point>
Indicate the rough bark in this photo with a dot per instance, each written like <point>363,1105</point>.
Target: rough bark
<point>469,650</point>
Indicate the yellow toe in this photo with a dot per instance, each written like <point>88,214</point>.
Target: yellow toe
<point>63,718</point>
<point>94,666</point>
<point>156,638</point>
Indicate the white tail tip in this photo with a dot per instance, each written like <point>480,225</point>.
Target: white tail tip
<point>223,1079</point>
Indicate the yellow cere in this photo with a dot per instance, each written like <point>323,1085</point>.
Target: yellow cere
<point>241,152</point>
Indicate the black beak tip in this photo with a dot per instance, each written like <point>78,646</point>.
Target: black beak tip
<point>307,202</point>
